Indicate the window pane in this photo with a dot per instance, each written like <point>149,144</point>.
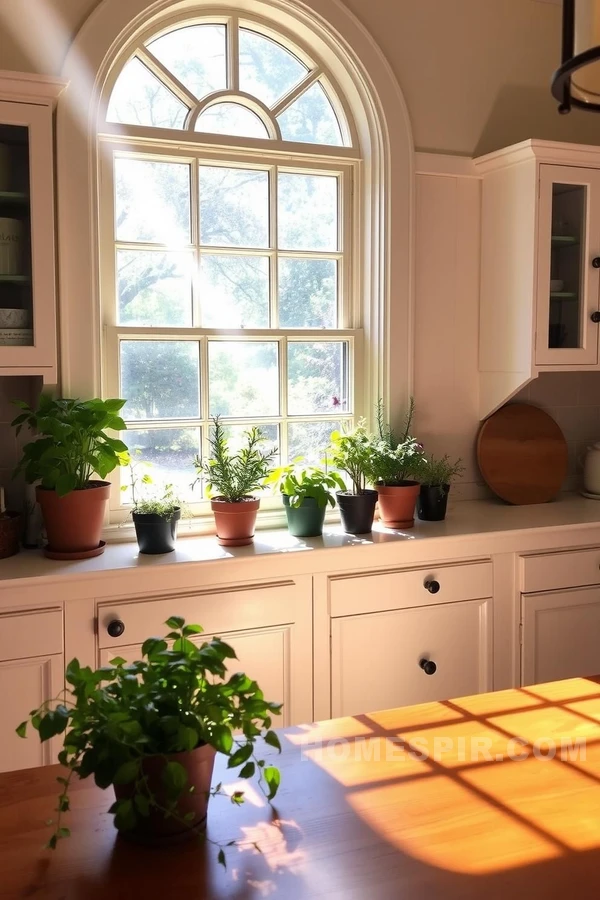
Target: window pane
<point>234,207</point>
<point>234,291</point>
<point>243,378</point>
<point>307,293</point>
<point>169,453</point>
<point>267,70</point>
<point>231,118</point>
<point>196,56</point>
<point>139,98</point>
<point>154,288</point>
<point>308,212</point>
<point>160,379</point>
<point>311,119</point>
<point>152,201</point>
<point>317,377</point>
<point>310,440</point>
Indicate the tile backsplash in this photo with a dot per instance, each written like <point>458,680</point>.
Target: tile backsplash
<point>19,387</point>
<point>573,401</point>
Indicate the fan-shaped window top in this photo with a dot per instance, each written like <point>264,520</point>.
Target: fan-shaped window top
<point>211,78</point>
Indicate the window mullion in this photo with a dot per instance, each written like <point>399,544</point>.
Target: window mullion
<point>273,228</point>
<point>233,54</point>
<point>283,400</point>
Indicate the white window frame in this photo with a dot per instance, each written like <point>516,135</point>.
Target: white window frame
<point>195,148</point>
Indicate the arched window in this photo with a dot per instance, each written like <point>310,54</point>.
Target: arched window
<point>230,260</point>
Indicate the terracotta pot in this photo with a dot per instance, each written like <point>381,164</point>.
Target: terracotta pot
<point>155,828</point>
<point>397,504</point>
<point>10,534</point>
<point>74,522</point>
<point>235,521</point>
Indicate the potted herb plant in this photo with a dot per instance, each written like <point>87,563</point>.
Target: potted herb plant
<point>351,452</point>
<point>71,446</point>
<point>232,479</point>
<point>156,521</point>
<point>151,729</point>
<point>306,492</point>
<point>436,477</point>
<point>397,462</point>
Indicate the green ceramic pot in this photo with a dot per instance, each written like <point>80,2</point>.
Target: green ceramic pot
<point>307,519</point>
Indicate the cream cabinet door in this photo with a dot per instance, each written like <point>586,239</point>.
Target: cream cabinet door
<point>264,654</point>
<point>560,635</point>
<point>24,685</point>
<point>376,658</point>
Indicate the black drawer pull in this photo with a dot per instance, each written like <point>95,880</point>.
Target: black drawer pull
<point>432,586</point>
<point>428,666</point>
<point>115,628</point>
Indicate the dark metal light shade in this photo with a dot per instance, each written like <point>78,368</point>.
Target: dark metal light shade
<point>576,83</point>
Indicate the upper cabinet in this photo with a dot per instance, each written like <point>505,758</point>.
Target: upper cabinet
<point>540,265</point>
<point>27,226</point>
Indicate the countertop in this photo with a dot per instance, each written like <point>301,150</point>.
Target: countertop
<point>358,815</point>
<point>474,518</point>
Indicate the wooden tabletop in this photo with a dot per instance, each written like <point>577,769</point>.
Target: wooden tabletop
<point>358,816</point>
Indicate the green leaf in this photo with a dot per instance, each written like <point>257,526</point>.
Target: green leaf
<point>192,629</point>
<point>222,739</point>
<point>63,832</point>
<point>175,622</point>
<point>66,483</point>
<point>239,756</point>
<point>221,858</point>
<point>272,739</point>
<point>174,778</point>
<point>142,804</point>
<point>72,671</point>
<point>117,661</point>
<point>248,770</point>
<point>22,730</point>
<point>273,779</point>
<point>152,646</point>
<point>127,772</point>
<point>237,797</point>
<point>187,737</point>
<point>52,842</point>
<point>125,817</point>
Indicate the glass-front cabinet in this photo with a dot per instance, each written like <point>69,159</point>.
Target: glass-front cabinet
<point>568,277</point>
<point>27,227</point>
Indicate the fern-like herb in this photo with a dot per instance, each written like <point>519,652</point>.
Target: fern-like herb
<point>235,476</point>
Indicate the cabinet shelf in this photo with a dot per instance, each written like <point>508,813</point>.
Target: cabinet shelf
<point>564,240</point>
<point>15,279</point>
<point>13,197</point>
<point>562,295</point>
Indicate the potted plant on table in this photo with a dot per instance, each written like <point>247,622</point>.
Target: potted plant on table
<point>397,463</point>
<point>232,479</point>
<point>436,477</point>
<point>351,451</point>
<point>306,492</point>
<point>151,729</point>
<point>72,445</point>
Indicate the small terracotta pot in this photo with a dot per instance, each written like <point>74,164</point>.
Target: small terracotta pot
<point>397,504</point>
<point>235,521</point>
<point>74,522</point>
<point>10,534</point>
<point>155,828</point>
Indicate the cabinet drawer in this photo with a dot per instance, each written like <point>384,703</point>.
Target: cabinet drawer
<point>350,596</point>
<point>375,657</point>
<point>24,635</point>
<point>552,571</point>
<point>217,611</point>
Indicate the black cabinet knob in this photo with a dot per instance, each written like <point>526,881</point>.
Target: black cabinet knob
<point>115,628</point>
<point>596,262</point>
<point>428,666</point>
<point>432,586</point>
<point>595,317</point>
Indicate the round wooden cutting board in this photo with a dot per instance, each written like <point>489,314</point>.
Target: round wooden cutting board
<point>522,454</point>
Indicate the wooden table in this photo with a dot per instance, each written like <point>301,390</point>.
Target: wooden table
<point>358,815</point>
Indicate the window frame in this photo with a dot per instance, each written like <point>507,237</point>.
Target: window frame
<point>197,148</point>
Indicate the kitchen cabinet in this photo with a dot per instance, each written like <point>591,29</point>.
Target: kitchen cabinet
<point>27,226</point>
<point>388,659</point>
<point>31,671</point>
<point>269,625</point>
<point>405,636</point>
<point>540,265</point>
<point>560,635</point>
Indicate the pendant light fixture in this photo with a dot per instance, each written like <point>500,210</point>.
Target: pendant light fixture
<point>576,83</point>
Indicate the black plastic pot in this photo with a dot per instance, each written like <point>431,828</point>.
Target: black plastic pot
<point>432,502</point>
<point>305,520</point>
<point>357,511</point>
<point>154,533</point>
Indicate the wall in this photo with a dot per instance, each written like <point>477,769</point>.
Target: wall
<point>475,73</point>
